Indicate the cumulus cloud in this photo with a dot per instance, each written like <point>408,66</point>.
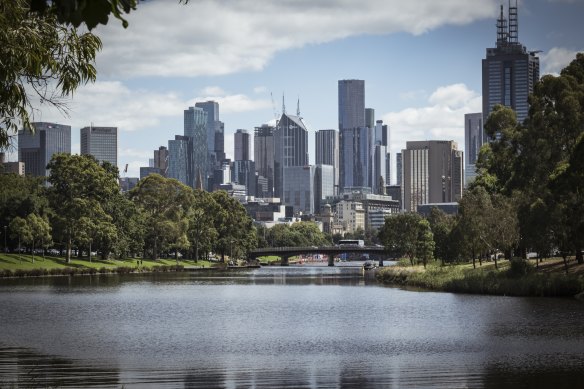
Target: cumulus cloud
<point>441,119</point>
<point>556,59</point>
<point>210,37</point>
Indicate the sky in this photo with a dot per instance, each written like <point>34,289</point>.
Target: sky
<point>420,59</point>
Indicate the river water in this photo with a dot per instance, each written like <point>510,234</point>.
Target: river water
<point>296,327</point>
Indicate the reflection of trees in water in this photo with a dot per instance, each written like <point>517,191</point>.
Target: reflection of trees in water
<point>28,369</point>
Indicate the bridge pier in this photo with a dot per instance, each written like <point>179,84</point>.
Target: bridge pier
<point>284,261</point>
<point>331,259</point>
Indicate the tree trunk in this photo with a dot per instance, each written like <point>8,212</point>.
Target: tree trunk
<point>565,257</point>
<point>32,252</point>
<point>19,257</point>
<point>579,256</point>
<point>90,252</point>
<point>496,265</point>
<point>196,253</point>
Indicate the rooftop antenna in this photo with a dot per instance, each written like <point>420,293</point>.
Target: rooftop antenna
<point>298,107</point>
<point>513,24</point>
<point>283,105</point>
<point>502,32</point>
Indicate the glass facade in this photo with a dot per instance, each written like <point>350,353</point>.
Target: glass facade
<point>36,150</point>
<point>327,152</point>
<point>474,138</point>
<point>195,127</point>
<point>101,142</point>
<point>264,156</point>
<point>290,147</point>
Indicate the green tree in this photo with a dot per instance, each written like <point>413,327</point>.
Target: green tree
<point>41,59</point>
<point>442,226</point>
<point>79,188</point>
<point>400,234</point>
<point>40,232</point>
<point>475,209</point>
<point>201,231</point>
<point>164,204</point>
<point>425,242</point>
<point>20,230</point>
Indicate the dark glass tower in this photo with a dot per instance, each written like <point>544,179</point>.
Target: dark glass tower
<point>509,70</point>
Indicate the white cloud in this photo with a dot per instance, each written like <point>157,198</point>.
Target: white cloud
<point>441,119</point>
<point>556,59</point>
<point>210,37</point>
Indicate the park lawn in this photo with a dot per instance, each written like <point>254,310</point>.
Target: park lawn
<point>24,262</point>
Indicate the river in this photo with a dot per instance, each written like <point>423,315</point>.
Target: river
<point>296,327</point>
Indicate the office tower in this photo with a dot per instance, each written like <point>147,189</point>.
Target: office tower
<point>195,127</point>
<point>432,173</point>
<point>299,190</point>
<point>219,141</point>
<point>263,149</point>
<point>355,157</point>
<point>369,117</point>
<point>242,146</point>
<point>354,135</point>
<point>146,171</point>
<point>474,138</point>
<point>180,159</point>
<point>243,173</point>
<point>398,169</point>
<point>378,169</point>
<point>324,178</point>
<point>215,134</point>
<point>161,160</point>
<point>509,70</point>
<point>36,150</point>
<point>351,104</point>
<point>327,153</point>
<point>290,148</point>
<point>101,142</point>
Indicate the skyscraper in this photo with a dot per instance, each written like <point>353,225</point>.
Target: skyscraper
<point>161,160</point>
<point>242,146</point>
<point>369,117</point>
<point>180,159</point>
<point>398,169</point>
<point>509,70</point>
<point>195,127</point>
<point>264,155</point>
<point>327,152</point>
<point>101,142</point>
<point>432,173</point>
<point>36,150</point>
<point>215,135</point>
<point>354,135</point>
<point>381,158</point>
<point>243,173</point>
<point>474,138</point>
<point>290,148</point>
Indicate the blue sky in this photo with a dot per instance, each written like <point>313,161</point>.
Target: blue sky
<point>420,59</point>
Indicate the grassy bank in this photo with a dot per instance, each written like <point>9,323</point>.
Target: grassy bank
<point>515,278</point>
<point>22,265</point>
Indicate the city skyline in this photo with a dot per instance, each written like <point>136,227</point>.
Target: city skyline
<point>422,73</point>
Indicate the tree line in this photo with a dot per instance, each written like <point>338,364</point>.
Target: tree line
<point>529,192</point>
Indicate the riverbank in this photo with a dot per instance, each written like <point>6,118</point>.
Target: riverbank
<point>15,265</point>
<point>515,278</point>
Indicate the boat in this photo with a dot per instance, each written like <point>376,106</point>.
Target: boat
<point>368,265</point>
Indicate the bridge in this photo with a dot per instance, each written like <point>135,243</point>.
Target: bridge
<point>331,251</point>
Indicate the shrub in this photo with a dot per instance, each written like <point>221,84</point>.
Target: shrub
<point>519,268</point>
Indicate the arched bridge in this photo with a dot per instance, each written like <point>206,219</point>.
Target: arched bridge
<point>331,251</point>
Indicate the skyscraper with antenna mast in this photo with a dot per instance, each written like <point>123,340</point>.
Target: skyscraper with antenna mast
<point>509,70</point>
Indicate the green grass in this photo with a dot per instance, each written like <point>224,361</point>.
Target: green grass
<point>15,262</point>
<point>463,278</point>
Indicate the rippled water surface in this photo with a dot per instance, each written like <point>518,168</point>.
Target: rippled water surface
<point>280,327</point>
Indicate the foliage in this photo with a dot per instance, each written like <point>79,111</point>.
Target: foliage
<point>405,234</point>
<point>41,59</point>
<point>300,234</point>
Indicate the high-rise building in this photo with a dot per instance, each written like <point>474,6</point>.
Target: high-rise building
<point>432,173</point>
<point>509,70</point>
<point>380,158</point>
<point>242,145</point>
<point>355,157</point>
<point>161,160</point>
<point>369,117</point>
<point>398,168</point>
<point>215,134</point>
<point>290,148</point>
<point>180,159</point>
<point>101,142</point>
<point>243,173</point>
<point>307,186</point>
<point>324,179</point>
<point>354,135</point>
<point>351,104</point>
<point>263,149</point>
<point>327,153</point>
<point>145,171</point>
<point>474,138</point>
<point>195,127</point>
<point>36,150</point>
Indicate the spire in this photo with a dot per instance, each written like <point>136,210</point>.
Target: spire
<point>502,32</point>
<point>298,107</point>
<point>283,105</point>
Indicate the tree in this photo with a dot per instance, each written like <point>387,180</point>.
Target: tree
<point>201,231</point>
<point>164,203</point>
<point>42,59</point>
<point>80,187</point>
<point>20,229</point>
<point>475,209</point>
<point>400,234</point>
<point>233,225</point>
<point>442,226</point>
<point>40,231</point>
<point>425,242</point>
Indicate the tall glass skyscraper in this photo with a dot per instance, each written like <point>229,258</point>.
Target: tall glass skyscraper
<point>215,135</point>
<point>351,104</point>
<point>509,70</point>
<point>36,150</point>
<point>474,138</point>
<point>242,146</point>
<point>290,147</point>
<point>101,142</point>
<point>195,127</point>
<point>180,159</point>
